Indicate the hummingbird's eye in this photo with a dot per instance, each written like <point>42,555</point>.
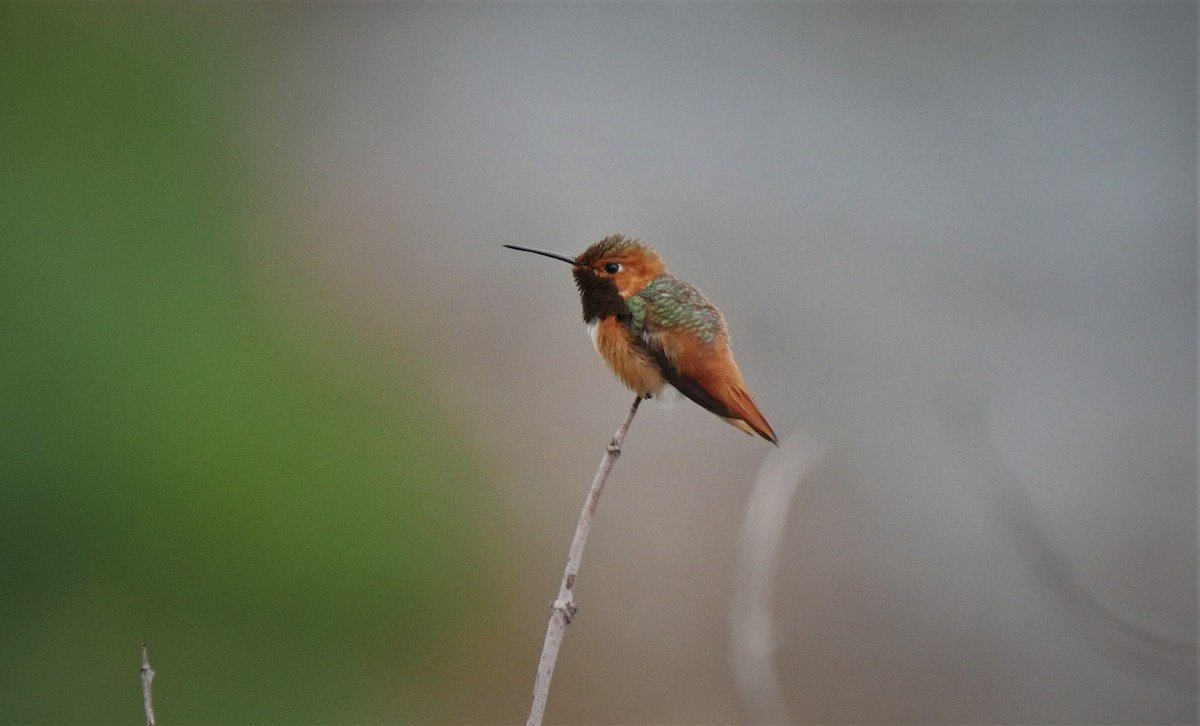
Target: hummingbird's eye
<point>612,268</point>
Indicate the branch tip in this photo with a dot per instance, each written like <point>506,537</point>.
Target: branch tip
<point>147,676</point>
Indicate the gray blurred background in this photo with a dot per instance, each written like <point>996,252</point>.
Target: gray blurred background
<point>955,241</point>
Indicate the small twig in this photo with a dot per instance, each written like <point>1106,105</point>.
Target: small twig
<point>563,609</point>
<point>147,676</point>
<point>760,545</point>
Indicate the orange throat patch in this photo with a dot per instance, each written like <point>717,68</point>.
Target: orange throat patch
<point>632,365</point>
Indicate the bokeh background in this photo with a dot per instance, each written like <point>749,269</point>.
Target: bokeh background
<point>274,399</point>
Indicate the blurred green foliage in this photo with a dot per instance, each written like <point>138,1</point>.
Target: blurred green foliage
<point>185,456</point>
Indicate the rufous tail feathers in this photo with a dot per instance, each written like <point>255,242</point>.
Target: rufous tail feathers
<point>749,418</point>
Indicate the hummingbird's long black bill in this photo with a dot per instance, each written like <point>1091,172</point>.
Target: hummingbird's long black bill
<point>555,255</point>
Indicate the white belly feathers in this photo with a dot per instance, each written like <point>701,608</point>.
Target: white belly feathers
<point>593,332</point>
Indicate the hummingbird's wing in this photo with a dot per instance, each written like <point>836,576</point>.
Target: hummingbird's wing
<point>712,387</point>
<point>685,335</point>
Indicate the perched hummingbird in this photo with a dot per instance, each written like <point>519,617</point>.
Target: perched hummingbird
<point>657,332</point>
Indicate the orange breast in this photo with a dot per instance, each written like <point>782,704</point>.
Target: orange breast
<point>633,365</point>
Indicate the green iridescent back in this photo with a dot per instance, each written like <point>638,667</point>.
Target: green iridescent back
<point>674,304</point>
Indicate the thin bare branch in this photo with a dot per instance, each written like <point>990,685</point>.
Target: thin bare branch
<point>563,609</point>
<point>147,676</point>
<point>760,542</point>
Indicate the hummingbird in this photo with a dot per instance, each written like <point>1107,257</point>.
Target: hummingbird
<point>657,332</point>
